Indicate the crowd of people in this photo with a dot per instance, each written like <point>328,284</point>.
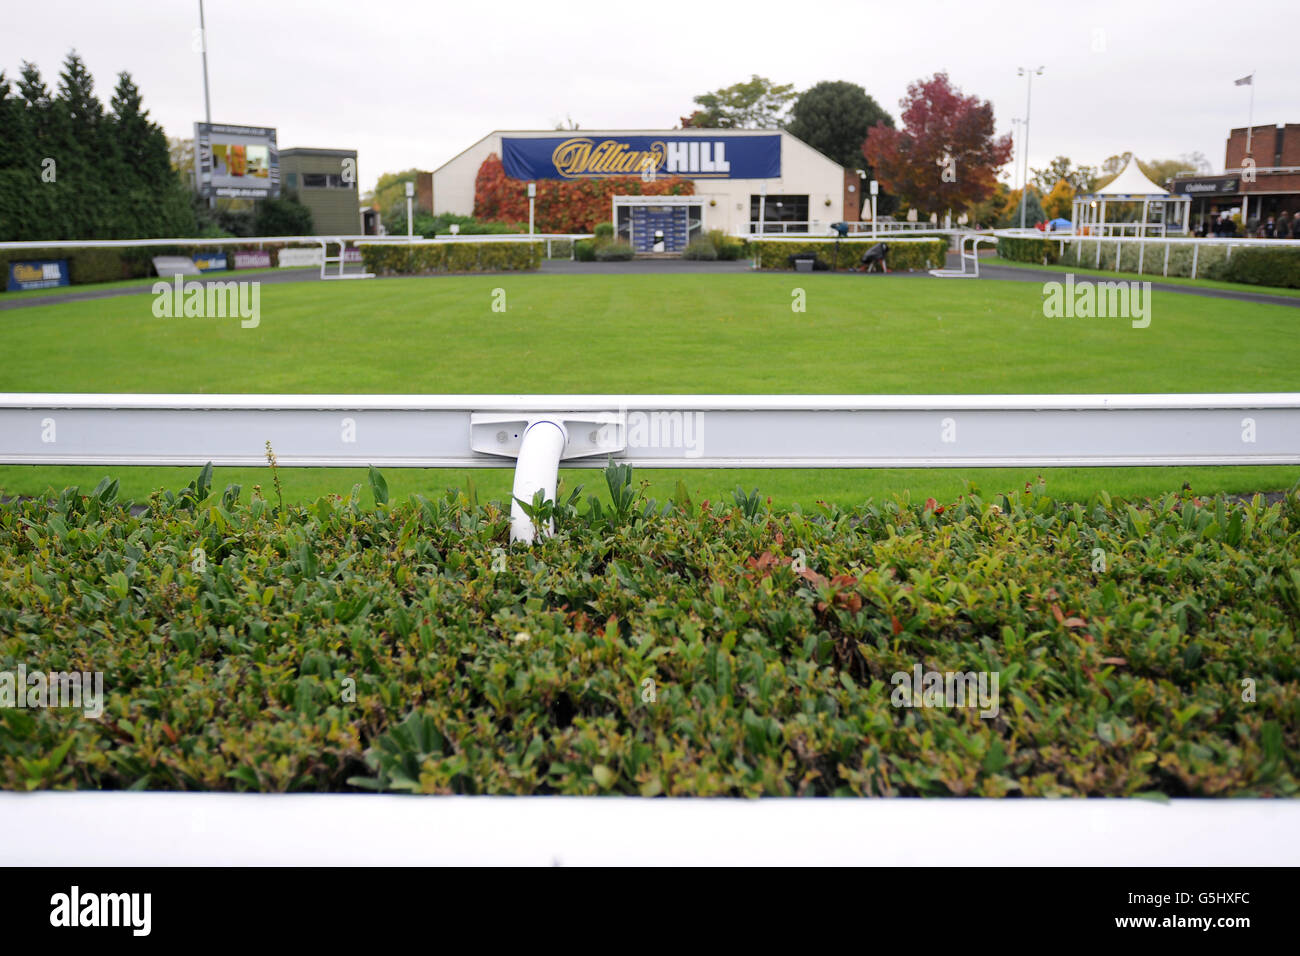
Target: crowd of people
<point>1284,226</point>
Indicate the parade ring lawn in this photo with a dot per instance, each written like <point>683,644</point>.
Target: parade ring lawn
<point>658,334</point>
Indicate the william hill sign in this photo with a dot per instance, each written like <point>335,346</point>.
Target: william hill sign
<point>596,157</point>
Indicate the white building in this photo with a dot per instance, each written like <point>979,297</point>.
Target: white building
<point>741,177</point>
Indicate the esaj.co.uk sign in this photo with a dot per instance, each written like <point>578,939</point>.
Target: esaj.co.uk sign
<point>595,157</point>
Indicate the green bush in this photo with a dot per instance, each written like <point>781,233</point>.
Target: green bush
<point>1253,266</point>
<point>701,248</point>
<point>902,256</point>
<point>681,648</point>
<point>584,250</point>
<point>614,250</point>
<point>603,230</point>
<point>286,216</point>
<point>487,256</point>
<point>1272,267</point>
<point>728,248</point>
<point>1040,251</point>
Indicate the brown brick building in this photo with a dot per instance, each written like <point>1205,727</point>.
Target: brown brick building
<point>1263,183</point>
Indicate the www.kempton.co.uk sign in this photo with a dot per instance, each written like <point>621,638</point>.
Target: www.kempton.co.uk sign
<point>695,157</point>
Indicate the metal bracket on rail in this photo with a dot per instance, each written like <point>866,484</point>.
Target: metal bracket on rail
<point>538,442</point>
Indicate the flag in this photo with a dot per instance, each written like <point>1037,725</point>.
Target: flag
<point>1245,81</point>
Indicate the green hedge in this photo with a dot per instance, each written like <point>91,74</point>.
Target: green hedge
<point>614,250</point>
<point>508,256</point>
<point>1275,267</point>
<point>902,256</point>
<point>655,648</point>
<point>1040,251</point>
<point>1210,260</point>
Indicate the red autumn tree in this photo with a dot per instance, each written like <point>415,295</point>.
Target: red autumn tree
<point>562,205</point>
<point>945,156</point>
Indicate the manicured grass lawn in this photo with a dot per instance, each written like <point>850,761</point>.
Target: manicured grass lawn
<point>841,486</point>
<point>652,334</point>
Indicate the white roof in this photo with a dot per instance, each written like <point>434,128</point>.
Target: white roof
<point>1131,181</point>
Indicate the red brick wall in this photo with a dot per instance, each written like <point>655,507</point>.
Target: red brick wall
<point>852,200</point>
<point>424,192</point>
<point>1291,145</point>
<point>1263,147</point>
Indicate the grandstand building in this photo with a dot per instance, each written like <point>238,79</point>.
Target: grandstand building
<point>742,178</point>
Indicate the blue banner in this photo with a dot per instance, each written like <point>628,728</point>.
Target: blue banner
<point>37,275</point>
<point>707,156</point>
<point>211,262</point>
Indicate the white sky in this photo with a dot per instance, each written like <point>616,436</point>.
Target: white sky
<point>413,83</point>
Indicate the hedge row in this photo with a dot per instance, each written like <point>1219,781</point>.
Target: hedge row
<point>1253,266</point>
<point>112,264</point>
<point>453,257</point>
<point>902,256</point>
<point>655,648</point>
<point>1041,251</point>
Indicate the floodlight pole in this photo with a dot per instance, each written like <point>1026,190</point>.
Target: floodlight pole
<point>410,216</point>
<point>1024,189</point>
<point>207,101</point>
<point>203,49</point>
<point>532,198</point>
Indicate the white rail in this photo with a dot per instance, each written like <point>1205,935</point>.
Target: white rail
<point>242,829</point>
<point>655,431</point>
<point>1165,242</point>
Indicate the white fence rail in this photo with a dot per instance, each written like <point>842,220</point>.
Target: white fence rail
<point>242,829</point>
<point>655,431</point>
<point>1164,244</point>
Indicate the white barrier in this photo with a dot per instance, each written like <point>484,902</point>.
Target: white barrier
<point>292,258</point>
<point>1165,243</point>
<point>247,829</point>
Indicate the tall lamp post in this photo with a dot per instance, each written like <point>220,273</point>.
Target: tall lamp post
<point>207,101</point>
<point>410,216</point>
<point>1024,147</point>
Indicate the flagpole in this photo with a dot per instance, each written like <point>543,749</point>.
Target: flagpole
<point>1250,120</point>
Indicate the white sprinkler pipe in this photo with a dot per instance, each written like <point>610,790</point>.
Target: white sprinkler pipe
<point>538,466</point>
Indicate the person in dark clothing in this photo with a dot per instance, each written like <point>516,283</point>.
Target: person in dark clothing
<point>1284,226</point>
<point>1270,228</point>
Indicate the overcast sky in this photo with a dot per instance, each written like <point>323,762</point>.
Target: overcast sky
<point>410,84</point>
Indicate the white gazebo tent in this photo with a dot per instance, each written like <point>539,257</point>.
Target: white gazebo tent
<point>1131,185</point>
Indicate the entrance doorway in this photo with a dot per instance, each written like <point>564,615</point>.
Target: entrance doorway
<point>658,228</point>
<point>664,224</point>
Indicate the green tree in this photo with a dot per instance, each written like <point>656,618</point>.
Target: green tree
<point>69,170</point>
<point>390,194</point>
<point>286,216</point>
<point>757,103</point>
<point>833,117</point>
<point>1058,204</point>
<point>1034,213</point>
<point>1080,178</point>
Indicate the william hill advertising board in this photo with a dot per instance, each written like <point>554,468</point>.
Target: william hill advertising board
<point>596,157</point>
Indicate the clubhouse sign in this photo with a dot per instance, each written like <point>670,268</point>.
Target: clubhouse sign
<point>694,157</point>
